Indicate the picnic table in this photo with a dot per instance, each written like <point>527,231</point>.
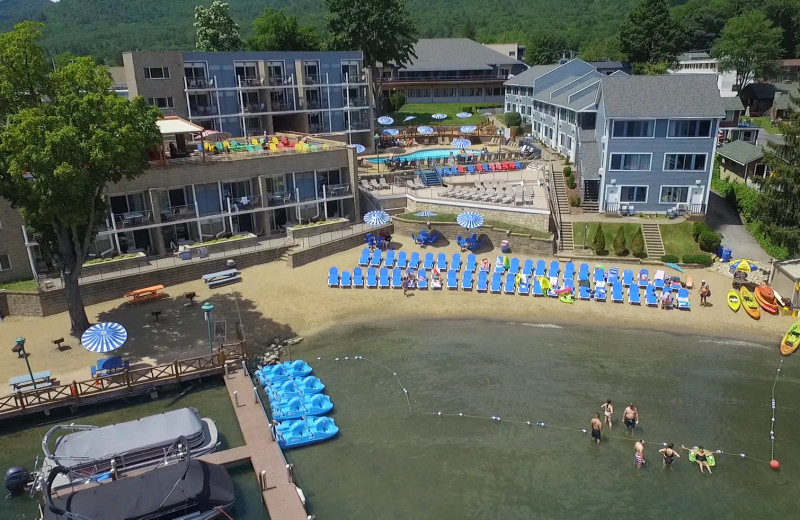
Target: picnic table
<point>146,294</point>
<point>109,365</point>
<point>221,277</point>
<point>42,380</point>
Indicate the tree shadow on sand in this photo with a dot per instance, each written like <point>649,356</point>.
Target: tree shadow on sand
<point>182,332</point>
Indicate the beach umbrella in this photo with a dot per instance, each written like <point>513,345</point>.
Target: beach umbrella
<point>104,337</point>
<point>359,147</point>
<point>743,265</point>
<point>391,132</point>
<point>467,129</point>
<point>409,118</point>
<point>425,130</point>
<point>469,220</point>
<point>463,115</point>
<point>212,136</point>
<point>426,213</point>
<point>461,144</point>
<point>385,120</point>
<point>439,116</point>
<point>376,218</point>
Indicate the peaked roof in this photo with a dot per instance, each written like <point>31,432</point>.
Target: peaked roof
<point>525,79</point>
<point>741,152</point>
<point>455,54</point>
<point>671,95</point>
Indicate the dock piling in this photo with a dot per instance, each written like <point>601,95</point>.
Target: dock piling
<point>263,480</point>
<point>236,398</point>
<point>255,393</point>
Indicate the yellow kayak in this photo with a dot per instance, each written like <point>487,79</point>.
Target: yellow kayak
<point>791,340</point>
<point>749,303</point>
<point>733,300</point>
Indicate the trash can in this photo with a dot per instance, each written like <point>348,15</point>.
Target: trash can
<point>505,246</point>
<point>726,255</point>
<point>231,263</point>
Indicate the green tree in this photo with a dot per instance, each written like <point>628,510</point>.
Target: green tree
<point>23,68</point>
<point>785,14</point>
<point>600,49</point>
<point>278,31</point>
<point>749,45</point>
<point>637,244</point>
<point>381,29</point>
<point>599,241</point>
<point>701,21</point>
<point>512,118</point>
<point>620,245</point>
<point>397,100</point>
<point>649,34</point>
<point>545,48</point>
<point>215,29</point>
<point>469,30</point>
<point>86,137</point>
<point>778,203</point>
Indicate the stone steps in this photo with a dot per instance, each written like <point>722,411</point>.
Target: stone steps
<point>561,193</point>
<point>652,240</point>
<point>567,240</point>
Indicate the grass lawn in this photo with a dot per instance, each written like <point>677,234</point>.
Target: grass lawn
<point>20,286</point>
<point>609,230</point>
<point>765,123</point>
<point>423,111</point>
<point>450,217</point>
<point>677,239</point>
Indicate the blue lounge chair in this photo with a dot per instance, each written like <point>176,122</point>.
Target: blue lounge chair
<point>643,278</point>
<point>583,272</point>
<point>364,260</point>
<point>683,299</point>
<point>358,277</point>
<point>439,171</point>
<point>402,260</point>
<point>634,298</point>
<point>383,278</point>
<point>441,262</point>
<point>377,256</point>
<point>537,288</point>
<point>513,267</point>
<point>616,292</point>
<point>333,277</point>
<point>462,243</point>
<point>466,280</point>
<point>347,280</point>
<point>627,277</point>
<point>527,267</point>
<point>418,239</point>
<point>600,294</point>
<point>658,281</point>
<point>380,243</point>
<point>541,267</point>
<point>584,293</point>
<point>422,279</point>
<point>372,278</point>
<point>650,296</point>
<point>428,262</point>
<point>569,271</point>
<point>509,286</point>
<point>397,278</point>
<point>471,168</point>
<point>497,282</point>
<point>472,262</point>
<point>369,239</point>
<point>413,262</point>
<point>452,279</point>
<point>524,289</point>
<point>554,269</point>
<point>599,276</point>
<point>455,262</point>
<point>483,281</point>
<point>485,167</point>
<point>432,238</point>
<point>454,170</point>
<point>518,165</point>
<point>613,275</point>
<point>389,261</point>
<point>570,284</point>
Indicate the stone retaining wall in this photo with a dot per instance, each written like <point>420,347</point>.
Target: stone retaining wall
<point>228,245</point>
<point>515,216</point>
<point>309,231</point>
<point>299,257</point>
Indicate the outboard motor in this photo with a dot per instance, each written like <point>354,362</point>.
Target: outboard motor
<point>17,479</point>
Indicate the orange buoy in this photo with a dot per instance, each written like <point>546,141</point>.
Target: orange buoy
<point>774,464</point>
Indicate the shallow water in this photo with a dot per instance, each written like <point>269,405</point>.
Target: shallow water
<point>390,463</point>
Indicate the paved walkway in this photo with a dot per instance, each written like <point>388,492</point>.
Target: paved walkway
<point>724,219</point>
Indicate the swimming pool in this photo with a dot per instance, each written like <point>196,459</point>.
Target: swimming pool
<point>440,153</point>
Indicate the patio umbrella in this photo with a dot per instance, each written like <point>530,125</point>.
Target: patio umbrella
<point>461,144</point>
<point>463,115</point>
<point>469,220</point>
<point>743,265</point>
<point>359,147</point>
<point>409,118</point>
<point>391,132</point>
<point>385,120</point>
<point>376,218</point>
<point>425,130</point>
<point>426,213</point>
<point>212,136</point>
<point>467,129</point>
<point>439,116</point>
<point>104,337</point>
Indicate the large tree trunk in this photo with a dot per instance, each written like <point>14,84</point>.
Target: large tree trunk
<point>77,313</point>
<point>70,262</point>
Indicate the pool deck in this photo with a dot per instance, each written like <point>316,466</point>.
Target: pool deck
<point>279,493</point>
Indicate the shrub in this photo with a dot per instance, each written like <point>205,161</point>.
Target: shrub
<point>512,119</point>
<point>574,201</point>
<point>397,100</point>
<point>698,228</point>
<point>599,241</point>
<point>620,245</point>
<point>708,241</point>
<point>698,258</point>
<point>567,171</point>
<point>571,181</point>
<point>670,259</point>
<point>637,245</point>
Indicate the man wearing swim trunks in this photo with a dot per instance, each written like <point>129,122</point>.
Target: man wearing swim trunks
<point>608,411</point>
<point>669,454</point>
<point>597,426</point>
<point>638,453</point>
<point>630,417</point>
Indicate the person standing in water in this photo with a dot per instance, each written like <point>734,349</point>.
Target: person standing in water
<point>630,417</point>
<point>608,411</point>
<point>669,454</point>
<point>597,427</point>
<point>701,457</point>
<point>638,453</point>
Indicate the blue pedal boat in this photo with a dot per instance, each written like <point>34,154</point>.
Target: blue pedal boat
<point>284,371</point>
<point>298,386</point>
<point>301,432</point>
<point>302,406</point>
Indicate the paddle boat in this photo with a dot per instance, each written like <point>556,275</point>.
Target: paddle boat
<point>733,300</point>
<point>301,406</point>
<point>295,387</point>
<point>293,434</point>
<point>749,303</point>
<point>284,371</point>
<point>766,298</point>
<point>791,340</point>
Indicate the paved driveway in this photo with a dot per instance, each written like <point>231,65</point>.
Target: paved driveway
<point>724,219</point>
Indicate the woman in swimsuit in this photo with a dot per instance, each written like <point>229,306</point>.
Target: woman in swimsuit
<point>608,411</point>
<point>701,457</point>
<point>669,454</point>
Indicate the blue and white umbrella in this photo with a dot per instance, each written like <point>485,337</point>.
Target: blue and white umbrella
<point>468,129</point>
<point>439,116</point>
<point>409,118</point>
<point>385,120</point>
<point>426,213</point>
<point>391,132</point>
<point>376,218</point>
<point>425,130</point>
<point>469,220</point>
<point>463,115</point>
<point>359,147</point>
<point>104,337</point>
<point>461,144</point>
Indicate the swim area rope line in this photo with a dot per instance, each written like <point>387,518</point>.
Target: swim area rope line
<point>542,424</point>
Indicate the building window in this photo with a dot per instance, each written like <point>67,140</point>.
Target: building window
<point>5,262</point>
<point>689,128</point>
<point>630,161</point>
<point>156,72</point>
<point>685,162</point>
<point>633,194</point>
<point>633,129</point>
<point>161,102</point>
<point>673,194</point>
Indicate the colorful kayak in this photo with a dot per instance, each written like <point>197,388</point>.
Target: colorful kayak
<point>766,298</point>
<point>733,300</point>
<point>749,303</point>
<point>791,340</point>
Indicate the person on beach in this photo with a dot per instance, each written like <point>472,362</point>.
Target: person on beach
<point>669,454</point>
<point>597,427</point>
<point>705,292</point>
<point>406,284</point>
<point>701,457</point>
<point>608,411</point>
<point>638,453</point>
<point>630,417</point>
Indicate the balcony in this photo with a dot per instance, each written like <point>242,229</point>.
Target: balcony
<point>199,84</point>
<point>314,104</point>
<point>318,128</point>
<point>283,198</point>
<point>203,111</point>
<point>252,82</point>
<point>276,81</point>
<point>254,108</point>
<point>355,102</point>
<point>337,190</point>
<point>311,79</point>
<point>245,203</point>
<point>178,213</point>
<point>282,106</point>
<point>444,78</point>
<point>131,219</point>
<point>359,125</point>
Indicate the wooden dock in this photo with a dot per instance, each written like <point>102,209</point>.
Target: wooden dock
<point>279,492</point>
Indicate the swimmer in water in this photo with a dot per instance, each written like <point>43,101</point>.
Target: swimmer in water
<point>701,457</point>
<point>638,453</point>
<point>608,411</point>
<point>597,426</point>
<point>669,454</point>
<point>630,417</point>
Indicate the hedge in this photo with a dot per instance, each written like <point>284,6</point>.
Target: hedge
<point>709,241</point>
<point>574,201</point>
<point>637,245</point>
<point>670,259</point>
<point>698,258</point>
<point>698,228</point>
<point>567,171</point>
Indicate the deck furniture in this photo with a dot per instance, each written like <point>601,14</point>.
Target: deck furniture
<point>222,277</point>
<point>145,295</point>
<point>24,383</point>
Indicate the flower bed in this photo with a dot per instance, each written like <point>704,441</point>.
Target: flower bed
<point>112,265</point>
<point>316,228</point>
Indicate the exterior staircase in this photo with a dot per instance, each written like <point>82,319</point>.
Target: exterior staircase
<point>430,178</point>
<point>652,240</point>
<point>561,193</point>
<point>567,240</point>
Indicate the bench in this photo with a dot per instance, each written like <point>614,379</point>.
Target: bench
<point>223,281</point>
<point>42,380</point>
<point>221,274</point>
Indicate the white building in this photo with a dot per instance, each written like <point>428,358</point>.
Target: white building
<point>702,63</point>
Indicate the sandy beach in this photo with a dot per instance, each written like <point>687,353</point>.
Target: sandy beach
<point>275,301</point>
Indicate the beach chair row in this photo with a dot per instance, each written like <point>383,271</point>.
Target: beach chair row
<point>465,169</point>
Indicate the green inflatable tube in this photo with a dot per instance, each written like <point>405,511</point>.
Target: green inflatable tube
<point>709,458</point>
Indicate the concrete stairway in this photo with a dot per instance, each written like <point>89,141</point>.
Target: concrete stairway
<point>652,240</point>
<point>567,240</point>
<point>561,193</point>
<point>590,206</point>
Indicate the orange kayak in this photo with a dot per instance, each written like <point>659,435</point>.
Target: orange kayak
<point>766,298</point>
<point>749,303</point>
<point>791,340</point>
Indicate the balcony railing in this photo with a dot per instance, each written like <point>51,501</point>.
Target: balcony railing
<point>260,107</point>
<point>280,198</point>
<point>199,84</point>
<point>281,106</point>
<point>447,77</point>
<point>311,79</point>
<point>133,218</point>
<point>359,125</point>
<point>176,213</point>
<point>280,80</point>
<point>337,190</point>
<point>203,111</point>
<point>245,203</point>
<point>316,103</point>
<point>256,81</point>
<point>318,128</point>
<point>355,101</point>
